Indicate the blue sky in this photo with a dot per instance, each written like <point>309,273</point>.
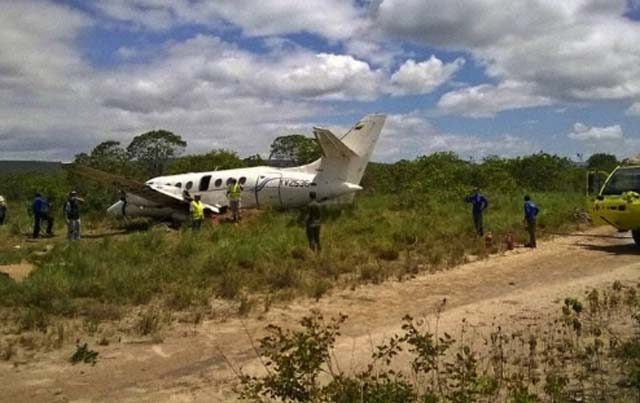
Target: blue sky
<point>480,77</point>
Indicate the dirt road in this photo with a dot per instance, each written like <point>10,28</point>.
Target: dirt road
<point>522,285</point>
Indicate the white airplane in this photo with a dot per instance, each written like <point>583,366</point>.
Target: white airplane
<point>335,176</point>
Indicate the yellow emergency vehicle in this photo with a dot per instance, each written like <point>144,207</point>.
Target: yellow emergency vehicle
<point>618,201</point>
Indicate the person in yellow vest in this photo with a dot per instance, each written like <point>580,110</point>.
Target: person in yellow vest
<point>197,213</point>
<point>234,194</point>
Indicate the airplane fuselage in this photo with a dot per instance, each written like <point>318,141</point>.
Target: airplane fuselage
<point>263,187</point>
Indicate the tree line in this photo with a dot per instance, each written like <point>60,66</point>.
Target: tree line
<point>160,152</point>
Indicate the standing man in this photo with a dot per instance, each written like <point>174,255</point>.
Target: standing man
<point>197,213</point>
<point>72,215</point>
<point>313,223</point>
<point>3,210</point>
<point>530,214</point>
<point>234,194</point>
<point>37,207</point>
<point>45,215</point>
<point>479,203</point>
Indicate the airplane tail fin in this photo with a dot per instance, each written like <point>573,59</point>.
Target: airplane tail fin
<point>345,159</point>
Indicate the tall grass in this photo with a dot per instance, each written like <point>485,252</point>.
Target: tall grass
<point>378,237</point>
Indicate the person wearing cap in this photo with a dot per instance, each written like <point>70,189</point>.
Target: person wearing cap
<point>3,210</point>
<point>313,222</point>
<point>479,203</point>
<point>196,208</point>
<point>72,215</point>
<point>530,217</point>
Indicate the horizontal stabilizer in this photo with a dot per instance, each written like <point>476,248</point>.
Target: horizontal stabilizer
<point>331,145</point>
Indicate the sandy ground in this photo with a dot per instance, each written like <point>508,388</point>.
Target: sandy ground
<point>522,286</point>
<point>18,272</point>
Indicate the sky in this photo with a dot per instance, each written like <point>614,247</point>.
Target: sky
<point>477,77</point>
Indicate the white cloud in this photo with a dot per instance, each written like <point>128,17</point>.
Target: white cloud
<point>410,135</point>
<point>634,109</point>
<point>486,100</point>
<point>334,19</point>
<point>423,77</point>
<point>583,132</point>
<point>210,91</point>
<point>570,50</point>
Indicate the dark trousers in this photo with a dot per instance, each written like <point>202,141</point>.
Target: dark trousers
<point>196,225</point>
<point>37,218</point>
<point>47,217</point>
<point>477,223</point>
<point>37,223</point>
<point>313,236</point>
<point>531,229</point>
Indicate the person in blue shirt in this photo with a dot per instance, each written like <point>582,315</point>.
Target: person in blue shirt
<point>479,204</point>
<point>45,215</point>
<point>37,206</point>
<point>530,217</point>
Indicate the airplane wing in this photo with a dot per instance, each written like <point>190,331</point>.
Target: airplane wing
<point>148,192</point>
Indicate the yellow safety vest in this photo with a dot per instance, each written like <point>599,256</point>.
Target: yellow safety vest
<point>235,192</point>
<point>197,210</point>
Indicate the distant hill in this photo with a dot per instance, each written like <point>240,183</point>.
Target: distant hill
<point>22,167</point>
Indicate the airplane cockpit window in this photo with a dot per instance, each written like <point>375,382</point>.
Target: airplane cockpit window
<point>218,183</point>
<point>242,180</point>
<point>204,183</point>
<point>189,185</point>
<point>179,184</point>
<point>359,126</point>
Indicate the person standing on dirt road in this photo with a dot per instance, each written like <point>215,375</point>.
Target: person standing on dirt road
<point>479,203</point>
<point>3,210</point>
<point>313,223</point>
<point>530,217</point>
<point>197,213</point>
<point>72,215</point>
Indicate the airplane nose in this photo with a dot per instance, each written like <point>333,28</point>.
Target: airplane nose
<point>116,209</point>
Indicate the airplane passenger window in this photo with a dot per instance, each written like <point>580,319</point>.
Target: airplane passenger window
<point>218,183</point>
<point>179,184</point>
<point>189,185</point>
<point>229,181</point>
<point>204,183</point>
<point>242,180</point>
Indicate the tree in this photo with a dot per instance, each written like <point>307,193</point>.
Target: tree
<point>296,148</point>
<point>154,149</point>
<point>107,156</point>
<point>602,162</point>
<point>214,160</point>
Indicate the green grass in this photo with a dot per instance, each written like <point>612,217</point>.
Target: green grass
<point>378,237</point>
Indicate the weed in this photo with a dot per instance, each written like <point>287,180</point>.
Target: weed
<point>149,322</point>
<point>558,363</point>
<point>34,319</point>
<point>84,355</point>
<point>246,305</point>
<point>7,350</point>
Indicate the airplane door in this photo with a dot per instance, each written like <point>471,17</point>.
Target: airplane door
<point>268,190</point>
